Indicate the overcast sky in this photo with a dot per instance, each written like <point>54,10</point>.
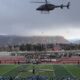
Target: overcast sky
<point>19,17</point>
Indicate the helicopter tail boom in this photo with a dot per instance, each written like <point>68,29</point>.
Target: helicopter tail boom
<point>62,6</point>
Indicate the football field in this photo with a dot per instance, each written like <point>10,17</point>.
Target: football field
<point>55,72</point>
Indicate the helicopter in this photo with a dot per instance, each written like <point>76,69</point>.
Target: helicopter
<point>49,7</point>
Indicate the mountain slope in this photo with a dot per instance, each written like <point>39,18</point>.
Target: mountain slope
<point>75,41</point>
<point>11,40</point>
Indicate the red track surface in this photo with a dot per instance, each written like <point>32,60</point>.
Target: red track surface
<point>22,59</point>
<point>12,59</point>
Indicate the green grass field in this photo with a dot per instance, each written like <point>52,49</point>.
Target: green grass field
<point>57,73</point>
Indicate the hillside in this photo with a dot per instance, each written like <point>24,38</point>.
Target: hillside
<point>11,40</point>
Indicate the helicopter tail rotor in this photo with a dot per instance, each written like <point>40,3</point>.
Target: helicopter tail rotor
<point>68,5</point>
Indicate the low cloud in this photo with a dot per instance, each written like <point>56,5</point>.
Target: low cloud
<point>19,17</point>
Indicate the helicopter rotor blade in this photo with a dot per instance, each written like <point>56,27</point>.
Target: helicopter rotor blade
<point>46,2</point>
<point>37,2</point>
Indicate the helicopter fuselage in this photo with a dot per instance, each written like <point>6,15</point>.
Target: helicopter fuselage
<point>46,7</point>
